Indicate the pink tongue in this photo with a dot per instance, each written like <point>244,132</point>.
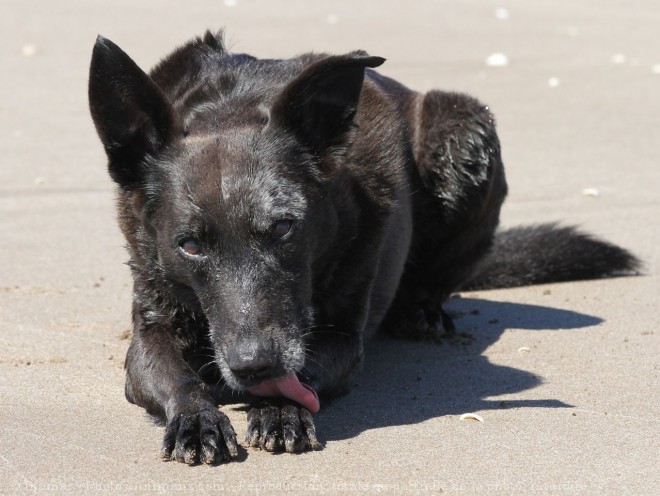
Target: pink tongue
<point>290,387</point>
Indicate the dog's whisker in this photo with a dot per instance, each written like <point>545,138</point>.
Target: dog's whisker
<point>204,367</point>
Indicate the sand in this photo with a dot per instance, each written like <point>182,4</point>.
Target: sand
<point>564,376</point>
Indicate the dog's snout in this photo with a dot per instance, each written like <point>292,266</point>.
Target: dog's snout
<point>251,360</point>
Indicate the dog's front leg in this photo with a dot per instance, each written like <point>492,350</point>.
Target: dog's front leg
<point>280,424</point>
<point>159,380</point>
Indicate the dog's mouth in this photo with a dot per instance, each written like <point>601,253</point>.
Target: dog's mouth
<point>290,387</point>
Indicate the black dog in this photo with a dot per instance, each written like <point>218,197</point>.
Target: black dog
<point>279,212</point>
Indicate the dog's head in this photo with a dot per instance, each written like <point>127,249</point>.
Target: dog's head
<point>230,202</point>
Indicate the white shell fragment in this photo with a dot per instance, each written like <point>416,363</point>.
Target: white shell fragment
<point>655,69</point>
<point>591,192</point>
<point>497,60</point>
<point>553,82</point>
<point>472,416</point>
<point>501,13</point>
<point>231,3</point>
<point>619,58</point>
<point>29,50</point>
<point>524,349</point>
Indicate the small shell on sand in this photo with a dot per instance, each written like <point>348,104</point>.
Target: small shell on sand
<point>472,416</point>
<point>501,13</point>
<point>29,50</point>
<point>497,60</point>
<point>618,59</point>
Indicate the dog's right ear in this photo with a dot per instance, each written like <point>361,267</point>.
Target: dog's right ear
<point>132,116</point>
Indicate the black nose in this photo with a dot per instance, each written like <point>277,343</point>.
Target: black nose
<point>251,360</point>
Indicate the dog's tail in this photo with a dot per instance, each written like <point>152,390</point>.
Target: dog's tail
<point>548,253</point>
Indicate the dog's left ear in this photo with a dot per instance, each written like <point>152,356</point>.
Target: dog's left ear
<point>320,104</point>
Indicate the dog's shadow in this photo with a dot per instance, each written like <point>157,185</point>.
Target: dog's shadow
<point>406,382</point>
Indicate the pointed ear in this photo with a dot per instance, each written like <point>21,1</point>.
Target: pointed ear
<point>320,104</point>
<point>132,115</point>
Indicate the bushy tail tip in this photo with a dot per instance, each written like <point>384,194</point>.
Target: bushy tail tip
<point>549,253</point>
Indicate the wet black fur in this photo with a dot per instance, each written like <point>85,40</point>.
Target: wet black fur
<point>392,198</point>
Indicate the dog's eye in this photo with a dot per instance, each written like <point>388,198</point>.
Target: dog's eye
<point>190,247</point>
<point>281,228</point>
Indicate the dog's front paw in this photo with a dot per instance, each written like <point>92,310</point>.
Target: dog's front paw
<point>205,436</point>
<point>287,428</point>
